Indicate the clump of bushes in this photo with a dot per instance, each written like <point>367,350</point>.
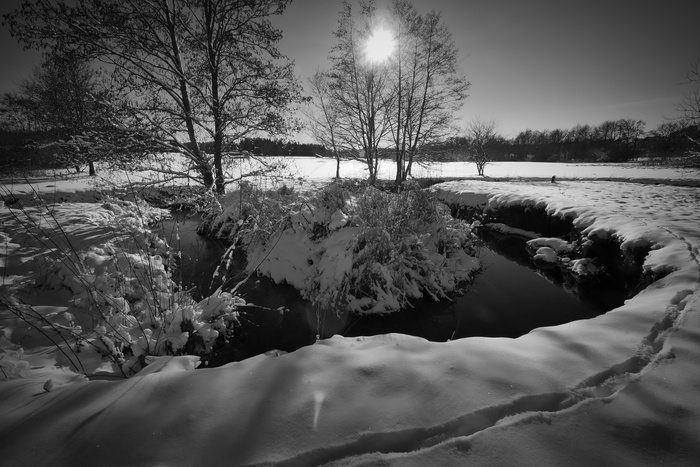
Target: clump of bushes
<point>403,250</point>
<point>353,246</point>
<point>127,307</point>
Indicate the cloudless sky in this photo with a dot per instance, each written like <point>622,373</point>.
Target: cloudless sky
<point>539,64</point>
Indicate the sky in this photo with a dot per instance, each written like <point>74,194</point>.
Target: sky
<point>537,64</point>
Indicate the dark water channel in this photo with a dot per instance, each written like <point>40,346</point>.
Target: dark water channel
<point>508,298</point>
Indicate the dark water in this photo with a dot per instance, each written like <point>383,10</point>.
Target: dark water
<point>508,298</point>
<point>200,255</point>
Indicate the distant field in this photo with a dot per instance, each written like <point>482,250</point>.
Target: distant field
<point>325,168</point>
<point>322,169</point>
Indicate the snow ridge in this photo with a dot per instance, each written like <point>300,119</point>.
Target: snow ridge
<point>599,386</point>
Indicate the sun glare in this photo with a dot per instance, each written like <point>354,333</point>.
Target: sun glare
<point>379,45</point>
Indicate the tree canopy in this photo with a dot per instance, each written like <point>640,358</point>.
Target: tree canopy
<point>405,96</point>
<point>187,70</point>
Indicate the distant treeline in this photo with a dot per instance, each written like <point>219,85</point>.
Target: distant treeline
<point>269,148</point>
<point>612,141</point>
<point>278,148</point>
<point>21,150</point>
<point>26,150</point>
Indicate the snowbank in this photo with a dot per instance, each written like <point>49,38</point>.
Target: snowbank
<point>122,301</point>
<point>620,389</point>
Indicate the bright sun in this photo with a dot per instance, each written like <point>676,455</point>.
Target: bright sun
<point>379,45</point>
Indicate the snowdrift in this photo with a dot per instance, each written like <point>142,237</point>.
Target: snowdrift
<point>620,389</point>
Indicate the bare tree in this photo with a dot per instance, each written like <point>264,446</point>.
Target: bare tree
<point>689,106</point>
<point>64,98</point>
<point>359,88</point>
<point>190,71</point>
<point>619,138</point>
<point>426,86</point>
<point>481,136</point>
<point>324,119</point>
<point>666,138</point>
<point>409,100</point>
<point>17,112</point>
<point>690,114</point>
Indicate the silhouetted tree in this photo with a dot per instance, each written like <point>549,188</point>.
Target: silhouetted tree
<point>666,139</point>
<point>61,97</point>
<point>189,70</point>
<point>18,113</point>
<point>689,106</point>
<point>580,138</point>
<point>481,136</point>
<point>690,114</point>
<point>325,118</point>
<point>360,89</point>
<point>427,87</point>
<point>409,99</point>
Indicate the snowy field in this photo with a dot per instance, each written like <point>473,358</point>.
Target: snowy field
<point>321,168</point>
<point>621,389</point>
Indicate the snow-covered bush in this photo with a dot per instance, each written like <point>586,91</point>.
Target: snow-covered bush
<point>11,363</point>
<point>357,247</point>
<point>403,250</point>
<point>327,209</point>
<point>128,306</point>
<point>249,215</point>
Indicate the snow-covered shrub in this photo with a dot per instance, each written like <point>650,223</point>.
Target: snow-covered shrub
<point>332,197</point>
<point>129,306</point>
<point>12,365</point>
<point>403,250</point>
<point>327,209</point>
<point>352,246</point>
<point>249,215</point>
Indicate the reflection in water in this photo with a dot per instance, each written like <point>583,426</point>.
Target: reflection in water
<point>200,256</point>
<point>508,298</point>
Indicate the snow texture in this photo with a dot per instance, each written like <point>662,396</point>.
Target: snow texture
<point>618,389</point>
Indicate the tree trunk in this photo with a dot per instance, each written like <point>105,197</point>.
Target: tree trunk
<point>220,186</point>
<point>210,25</point>
<point>207,175</point>
<point>186,106</point>
<point>371,167</point>
<point>407,173</point>
<point>399,167</point>
<point>91,169</point>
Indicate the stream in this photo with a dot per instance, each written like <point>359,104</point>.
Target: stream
<point>509,297</point>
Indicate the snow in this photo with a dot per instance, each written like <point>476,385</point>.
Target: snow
<point>546,254</point>
<point>325,168</point>
<point>553,243</point>
<point>618,389</point>
<point>335,260</point>
<point>508,230</point>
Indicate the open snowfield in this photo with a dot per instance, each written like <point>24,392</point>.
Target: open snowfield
<point>322,168</point>
<point>622,389</point>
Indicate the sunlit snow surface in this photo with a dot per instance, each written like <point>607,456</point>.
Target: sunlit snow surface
<point>619,389</point>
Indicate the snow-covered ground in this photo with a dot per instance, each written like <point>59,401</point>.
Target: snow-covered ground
<point>619,389</point>
<point>321,168</point>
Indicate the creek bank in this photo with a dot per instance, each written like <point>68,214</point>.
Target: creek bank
<point>588,261</point>
<point>605,276</point>
<point>277,318</point>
